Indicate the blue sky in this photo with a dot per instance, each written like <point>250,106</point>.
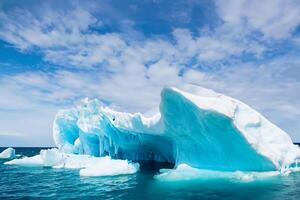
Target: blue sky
<point>54,53</point>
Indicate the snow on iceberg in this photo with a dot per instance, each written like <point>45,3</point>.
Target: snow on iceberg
<point>204,130</point>
<point>88,165</point>
<point>8,153</point>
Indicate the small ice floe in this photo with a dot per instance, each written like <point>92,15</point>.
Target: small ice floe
<point>184,172</point>
<point>33,161</point>
<point>88,165</point>
<point>8,153</point>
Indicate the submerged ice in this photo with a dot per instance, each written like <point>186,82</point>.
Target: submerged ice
<point>204,130</point>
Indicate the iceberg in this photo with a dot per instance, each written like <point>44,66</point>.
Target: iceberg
<point>8,153</point>
<point>33,161</point>
<point>202,129</point>
<point>51,157</point>
<point>105,166</point>
<point>88,165</point>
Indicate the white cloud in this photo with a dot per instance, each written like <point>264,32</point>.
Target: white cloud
<point>193,76</point>
<point>273,18</point>
<point>66,38</point>
<point>129,73</point>
<point>271,88</point>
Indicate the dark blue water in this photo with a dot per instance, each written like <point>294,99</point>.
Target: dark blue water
<point>21,182</point>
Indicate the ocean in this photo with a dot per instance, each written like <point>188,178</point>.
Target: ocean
<point>46,183</point>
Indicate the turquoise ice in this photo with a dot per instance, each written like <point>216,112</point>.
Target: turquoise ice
<point>203,129</point>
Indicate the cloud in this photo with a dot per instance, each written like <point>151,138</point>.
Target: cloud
<point>136,88</point>
<point>71,38</point>
<point>127,72</point>
<point>275,19</point>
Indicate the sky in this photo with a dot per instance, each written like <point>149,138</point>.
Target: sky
<point>55,53</point>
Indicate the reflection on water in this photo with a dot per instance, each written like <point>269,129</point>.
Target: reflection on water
<point>122,182</point>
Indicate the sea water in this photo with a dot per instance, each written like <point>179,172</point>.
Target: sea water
<point>36,182</point>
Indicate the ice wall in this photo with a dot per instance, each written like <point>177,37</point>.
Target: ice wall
<point>204,130</point>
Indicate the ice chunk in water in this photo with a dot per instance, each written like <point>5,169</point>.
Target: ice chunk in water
<point>8,153</point>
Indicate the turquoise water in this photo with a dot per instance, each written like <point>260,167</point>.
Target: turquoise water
<point>19,182</point>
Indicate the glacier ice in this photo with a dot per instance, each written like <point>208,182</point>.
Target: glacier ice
<point>202,129</point>
<point>8,153</point>
<point>88,165</point>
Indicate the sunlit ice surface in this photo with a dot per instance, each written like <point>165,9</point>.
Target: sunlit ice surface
<point>202,129</point>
